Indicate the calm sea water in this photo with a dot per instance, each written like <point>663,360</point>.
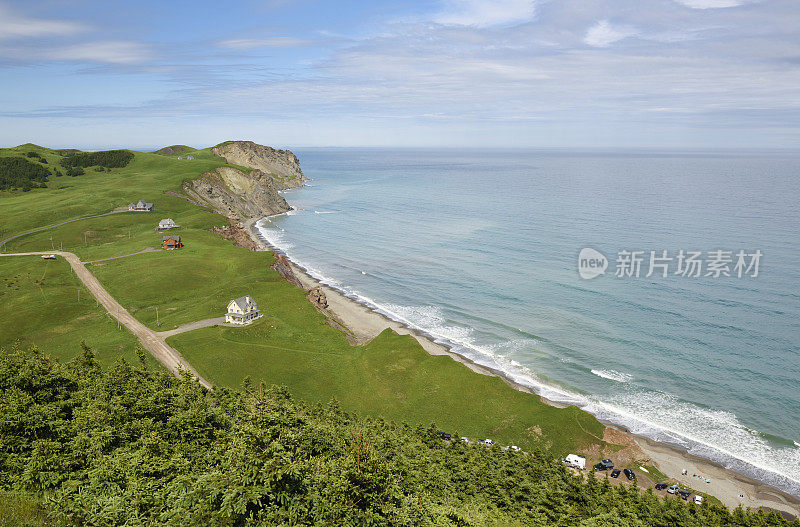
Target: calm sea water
<point>479,249</point>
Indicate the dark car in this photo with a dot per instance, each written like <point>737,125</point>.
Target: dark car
<point>661,486</point>
<point>629,473</point>
<point>443,435</point>
<point>615,473</point>
<point>684,494</point>
<point>606,464</point>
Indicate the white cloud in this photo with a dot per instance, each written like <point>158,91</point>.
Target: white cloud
<point>13,25</point>
<point>114,52</point>
<point>603,34</point>
<point>484,13</point>
<point>710,4</point>
<point>270,42</point>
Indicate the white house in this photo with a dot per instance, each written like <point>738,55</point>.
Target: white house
<point>190,158</point>
<point>243,310</point>
<point>165,224</point>
<point>140,206</point>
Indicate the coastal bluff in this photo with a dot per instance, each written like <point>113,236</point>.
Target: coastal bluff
<point>282,165</point>
<point>240,195</point>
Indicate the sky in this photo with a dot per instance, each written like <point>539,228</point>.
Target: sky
<point>440,73</point>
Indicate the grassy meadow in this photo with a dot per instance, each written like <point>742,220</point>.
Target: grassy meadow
<point>40,306</point>
<point>292,345</point>
<point>391,377</point>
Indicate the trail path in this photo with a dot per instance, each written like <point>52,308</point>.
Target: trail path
<point>219,321</point>
<point>3,242</point>
<point>151,340</point>
<point>145,250</point>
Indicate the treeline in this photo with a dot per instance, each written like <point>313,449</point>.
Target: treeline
<point>19,173</point>
<point>106,158</point>
<point>130,446</point>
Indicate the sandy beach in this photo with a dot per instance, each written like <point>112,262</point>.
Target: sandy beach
<point>731,488</point>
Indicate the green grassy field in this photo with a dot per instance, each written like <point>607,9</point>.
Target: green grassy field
<point>293,344</point>
<point>392,377</point>
<point>146,177</point>
<point>39,306</point>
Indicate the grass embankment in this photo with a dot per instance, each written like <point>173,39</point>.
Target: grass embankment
<point>39,306</point>
<point>293,344</point>
<point>146,177</point>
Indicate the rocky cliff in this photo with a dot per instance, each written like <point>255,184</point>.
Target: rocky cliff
<point>240,195</point>
<point>237,195</point>
<point>282,165</point>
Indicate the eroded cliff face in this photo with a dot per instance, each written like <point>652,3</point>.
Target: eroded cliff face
<point>237,195</point>
<point>282,165</point>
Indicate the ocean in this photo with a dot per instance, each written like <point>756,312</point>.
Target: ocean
<point>479,249</point>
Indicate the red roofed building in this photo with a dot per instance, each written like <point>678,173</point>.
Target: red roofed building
<point>171,242</point>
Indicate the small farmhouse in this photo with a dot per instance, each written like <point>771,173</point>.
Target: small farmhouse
<point>166,224</point>
<point>190,158</point>
<point>171,242</point>
<point>243,310</point>
<point>140,206</point>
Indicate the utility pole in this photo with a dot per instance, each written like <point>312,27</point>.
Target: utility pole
<point>53,247</point>
<point>84,237</point>
<point>79,295</point>
<point>157,323</point>
<point>117,317</point>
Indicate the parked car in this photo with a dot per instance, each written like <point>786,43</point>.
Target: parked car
<point>515,448</point>
<point>673,489</point>
<point>465,439</point>
<point>684,494</point>
<point>488,442</point>
<point>615,473</point>
<point>443,435</point>
<point>605,464</point>
<point>629,474</point>
<point>698,499</point>
<point>661,486</point>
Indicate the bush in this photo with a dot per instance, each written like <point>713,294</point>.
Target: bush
<point>106,158</point>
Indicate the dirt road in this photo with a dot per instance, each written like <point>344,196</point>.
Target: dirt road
<point>151,340</point>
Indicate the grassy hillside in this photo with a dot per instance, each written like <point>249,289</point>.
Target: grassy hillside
<point>40,305</point>
<point>392,378</point>
<point>292,345</point>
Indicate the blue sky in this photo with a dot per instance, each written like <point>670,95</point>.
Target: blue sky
<point>518,73</point>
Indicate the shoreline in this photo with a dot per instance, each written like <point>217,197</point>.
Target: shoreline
<point>726,485</point>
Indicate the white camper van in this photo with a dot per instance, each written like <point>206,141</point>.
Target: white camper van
<point>575,461</point>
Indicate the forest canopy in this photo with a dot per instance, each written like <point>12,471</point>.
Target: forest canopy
<point>20,173</point>
<point>105,158</point>
<point>133,446</point>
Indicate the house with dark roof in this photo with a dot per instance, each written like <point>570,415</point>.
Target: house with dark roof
<point>171,242</point>
<point>140,206</point>
<point>242,310</point>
